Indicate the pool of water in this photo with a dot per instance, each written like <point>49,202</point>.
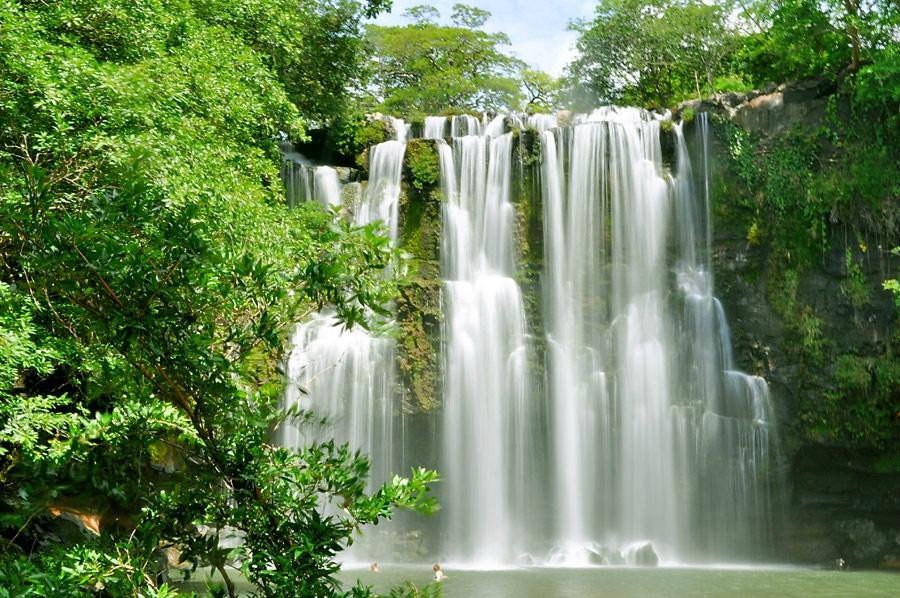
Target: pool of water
<point>541,582</point>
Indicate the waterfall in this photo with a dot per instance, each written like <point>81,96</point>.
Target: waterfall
<point>655,437</point>
<point>642,429</point>
<point>485,381</point>
<point>347,376</point>
<point>304,182</point>
<point>582,425</point>
<point>435,127</point>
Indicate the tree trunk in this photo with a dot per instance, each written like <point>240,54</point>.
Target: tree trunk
<point>852,7</point>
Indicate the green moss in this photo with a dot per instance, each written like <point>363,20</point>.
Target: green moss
<point>854,286</point>
<point>526,196</point>
<point>687,115</point>
<point>887,463</point>
<point>422,164</point>
<point>419,315</point>
<point>804,326</point>
<point>666,126</point>
<point>863,408</point>
<point>800,181</point>
<point>418,359</point>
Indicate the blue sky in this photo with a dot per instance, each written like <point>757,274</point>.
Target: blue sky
<point>536,29</point>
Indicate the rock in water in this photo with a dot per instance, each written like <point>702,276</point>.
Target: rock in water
<point>645,556</point>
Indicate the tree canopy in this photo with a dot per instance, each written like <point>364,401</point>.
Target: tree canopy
<point>426,67</point>
<point>659,52</point>
<point>150,272</point>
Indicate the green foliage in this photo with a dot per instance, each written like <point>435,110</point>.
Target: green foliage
<point>660,52</point>
<point>802,322</point>
<point>795,190</point>
<point>801,181</point>
<point>798,39</point>
<point>854,287</point>
<point>150,272</point>
<point>422,163</point>
<point>892,284</point>
<point>798,42</point>
<point>731,83</point>
<point>864,408</point>
<point>355,133</point>
<point>315,48</point>
<point>649,53</point>
<point>409,590</point>
<point>425,67</point>
<point>542,91</point>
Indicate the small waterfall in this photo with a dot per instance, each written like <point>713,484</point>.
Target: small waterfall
<point>327,363</point>
<point>305,182</point>
<point>464,125</point>
<point>327,186</point>
<point>435,127</point>
<point>541,122</point>
<point>346,376</point>
<point>382,194</point>
<point>296,175</point>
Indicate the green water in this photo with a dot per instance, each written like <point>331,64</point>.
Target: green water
<point>546,582</point>
<point>541,582</point>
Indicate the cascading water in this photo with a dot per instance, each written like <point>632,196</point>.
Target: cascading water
<point>435,127</point>
<point>485,380</point>
<point>655,436</point>
<point>642,430</point>
<point>347,376</point>
<point>305,182</point>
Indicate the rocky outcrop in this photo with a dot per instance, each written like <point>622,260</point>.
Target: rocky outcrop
<point>771,110</point>
<point>643,555</point>
<point>419,316</point>
<point>843,496</point>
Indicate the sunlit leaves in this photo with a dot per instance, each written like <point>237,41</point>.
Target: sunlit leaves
<point>151,272</point>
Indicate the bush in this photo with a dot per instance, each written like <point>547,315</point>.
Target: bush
<point>422,164</point>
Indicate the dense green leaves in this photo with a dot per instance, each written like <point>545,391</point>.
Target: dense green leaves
<point>659,52</point>
<point>151,271</point>
<point>425,67</point>
<point>649,53</point>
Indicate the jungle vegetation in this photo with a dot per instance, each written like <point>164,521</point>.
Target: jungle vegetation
<point>151,270</point>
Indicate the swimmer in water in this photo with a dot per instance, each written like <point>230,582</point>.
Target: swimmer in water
<point>438,573</point>
<point>373,567</point>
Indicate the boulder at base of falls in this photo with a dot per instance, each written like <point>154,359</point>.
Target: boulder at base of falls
<point>605,556</point>
<point>645,556</point>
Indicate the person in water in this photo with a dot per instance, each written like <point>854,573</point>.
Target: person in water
<point>373,567</point>
<point>438,573</point>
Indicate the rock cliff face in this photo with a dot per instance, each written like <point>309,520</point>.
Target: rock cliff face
<point>843,497</point>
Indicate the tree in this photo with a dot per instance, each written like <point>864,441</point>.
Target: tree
<point>315,47</point>
<point>542,91</point>
<point>425,67</point>
<point>422,14</point>
<point>798,39</point>
<point>469,16</point>
<point>150,273</point>
<point>649,53</point>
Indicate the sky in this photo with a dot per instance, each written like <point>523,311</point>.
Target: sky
<point>536,28</point>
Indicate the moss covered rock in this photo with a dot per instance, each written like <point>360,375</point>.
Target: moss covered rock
<point>419,315</point>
